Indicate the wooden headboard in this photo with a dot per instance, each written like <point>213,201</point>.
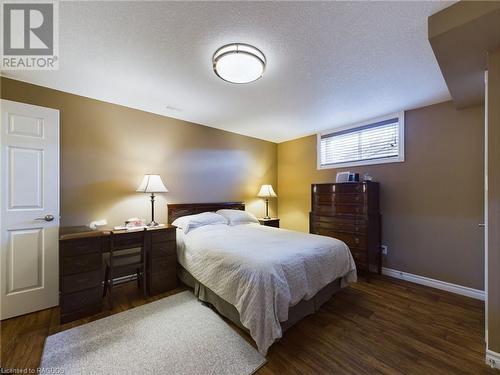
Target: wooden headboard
<point>183,209</point>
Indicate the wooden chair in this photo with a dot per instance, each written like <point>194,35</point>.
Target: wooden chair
<point>121,262</point>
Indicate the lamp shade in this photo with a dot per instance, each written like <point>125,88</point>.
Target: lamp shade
<point>266,191</point>
<point>152,183</point>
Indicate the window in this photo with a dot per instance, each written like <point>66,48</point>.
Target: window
<point>373,142</point>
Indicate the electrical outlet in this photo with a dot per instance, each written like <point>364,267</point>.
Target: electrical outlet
<point>384,249</point>
<point>491,362</point>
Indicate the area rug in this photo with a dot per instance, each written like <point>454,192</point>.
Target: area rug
<point>174,335</point>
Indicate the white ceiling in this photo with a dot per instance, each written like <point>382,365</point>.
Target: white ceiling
<point>329,63</point>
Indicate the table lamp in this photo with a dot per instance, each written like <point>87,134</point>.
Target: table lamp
<point>152,183</point>
<point>267,191</point>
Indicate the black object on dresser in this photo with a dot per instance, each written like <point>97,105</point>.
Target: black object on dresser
<point>273,222</point>
<point>81,276</point>
<point>349,212</point>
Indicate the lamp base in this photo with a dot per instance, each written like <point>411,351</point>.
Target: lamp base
<point>267,217</point>
<point>153,224</point>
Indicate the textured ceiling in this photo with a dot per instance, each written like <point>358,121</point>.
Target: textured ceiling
<point>329,63</point>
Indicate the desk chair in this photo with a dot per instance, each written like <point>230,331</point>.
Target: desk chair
<point>122,262</point>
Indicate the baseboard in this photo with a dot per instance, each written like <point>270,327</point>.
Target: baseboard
<point>438,284</point>
<point>493,359</point>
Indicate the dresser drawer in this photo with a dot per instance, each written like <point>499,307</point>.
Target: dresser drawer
<point>80,246</point>
<point>361,265</point>
<point>340,209</point>
<point>81,263</point>
<point>350,209</point>
<point>163,249</point>
<point>329,199</point>
<point>351,240</point>
<point>339,224</point>
<point>164,265</point>
<point>162,235</point>
<point>357,198</point>
<point>324,199</point>
<point>324,209</point>
<point>163,276</point>
<point>81,281</point>
<point>348,188</point>
<point>80,300</point>
<point>323,188</point>
<point>162,282</point>
<point>130,240</point>
<point>359,255</point>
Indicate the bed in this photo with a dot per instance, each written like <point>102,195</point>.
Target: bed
<point>261,278</point>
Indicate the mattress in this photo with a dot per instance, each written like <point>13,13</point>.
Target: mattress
<point>263,271</point>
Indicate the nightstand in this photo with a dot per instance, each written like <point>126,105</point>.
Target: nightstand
<point>273,222</point>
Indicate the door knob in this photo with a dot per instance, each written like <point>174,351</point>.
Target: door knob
<point>46,218</point>
<point>481,225</point>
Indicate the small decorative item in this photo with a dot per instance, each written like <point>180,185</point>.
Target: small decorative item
<point>135,222</point>
<point>353,177</point>
<point>368,177</point>
<point>97,224</point>
<point>267,191</point>
<point>152,183</point>
<point>342,177</point>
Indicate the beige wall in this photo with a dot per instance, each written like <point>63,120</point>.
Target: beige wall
<point>106,149</point>
<point>431,204</point>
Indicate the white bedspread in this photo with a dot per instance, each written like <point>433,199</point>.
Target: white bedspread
<point>263,271</point>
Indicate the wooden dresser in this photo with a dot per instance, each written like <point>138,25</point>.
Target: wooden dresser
<point>81,273</point>
<point>349,212</point>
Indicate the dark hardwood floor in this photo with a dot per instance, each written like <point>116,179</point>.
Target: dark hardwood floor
<point>386,326</point>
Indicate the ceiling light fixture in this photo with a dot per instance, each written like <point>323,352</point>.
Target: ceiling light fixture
<point>239,63</point>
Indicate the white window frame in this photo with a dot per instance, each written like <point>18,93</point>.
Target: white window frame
<point>395,159</point>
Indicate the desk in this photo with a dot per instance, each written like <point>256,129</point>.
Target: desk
<point>81,273</point>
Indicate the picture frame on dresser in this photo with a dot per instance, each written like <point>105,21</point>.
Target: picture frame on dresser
<point>350,212</point>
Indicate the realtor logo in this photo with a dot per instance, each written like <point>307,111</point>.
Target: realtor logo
<point>30,36</point>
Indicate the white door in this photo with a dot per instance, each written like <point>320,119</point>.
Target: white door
<point>29,159</point>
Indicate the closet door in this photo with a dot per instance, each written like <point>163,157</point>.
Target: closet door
<point>29,272</point>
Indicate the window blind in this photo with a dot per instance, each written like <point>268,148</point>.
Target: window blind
<point>379,140</point>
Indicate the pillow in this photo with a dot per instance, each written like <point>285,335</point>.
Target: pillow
<point>236,217</point>
<point>189,222</point>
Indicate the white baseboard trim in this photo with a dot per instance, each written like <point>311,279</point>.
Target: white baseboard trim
<point>493,359</point>
<point>438,284</point>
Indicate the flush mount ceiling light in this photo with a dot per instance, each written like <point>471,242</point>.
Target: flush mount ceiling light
<point>239,63</point>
